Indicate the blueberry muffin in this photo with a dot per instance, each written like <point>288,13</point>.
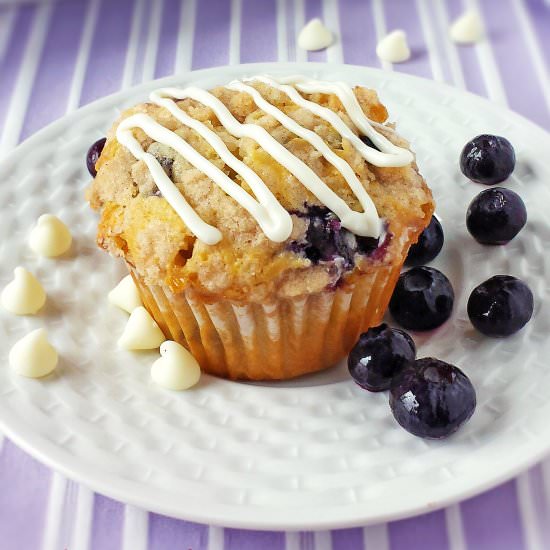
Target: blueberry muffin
<point>264,222</point>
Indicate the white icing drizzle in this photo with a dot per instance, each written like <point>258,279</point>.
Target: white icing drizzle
<point>274,220</point>
<point>203,231</point>
<point>364,224</point>
<point>318,143</point>
<point>368,153</point>
<point>390,155</point>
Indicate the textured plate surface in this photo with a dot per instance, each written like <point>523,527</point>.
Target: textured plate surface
<point>315,453</point>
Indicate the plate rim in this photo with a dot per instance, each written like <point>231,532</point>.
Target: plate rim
<point>113,486</point>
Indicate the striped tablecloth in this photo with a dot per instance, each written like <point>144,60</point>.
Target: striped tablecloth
<point>55,57</point>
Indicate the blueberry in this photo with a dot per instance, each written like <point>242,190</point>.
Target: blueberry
<point>368,142</point>
<point>431,398</point>
<point>379,354</point>
<point>428,246</point>
<point>487,159</point>
<point>93,155</point>
<point>423,299</point>
<point>500,306</point>
<point>327,241</point>
<point>496,216</point>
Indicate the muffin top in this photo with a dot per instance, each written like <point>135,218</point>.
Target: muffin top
<point>296,205</point>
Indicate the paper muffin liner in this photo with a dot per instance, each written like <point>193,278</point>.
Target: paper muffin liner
<point>279,340</point>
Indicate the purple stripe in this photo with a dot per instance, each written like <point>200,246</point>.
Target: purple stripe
<point>171,534</point>
<point>419,533</point>
<point>508,45</point>
<point>9,66</point>
<point>24,486</point>
<point>467,55</point>
<point>347,539</point>
<point>314,9</point>
<point>358,32</point>
<point>492,519</point>
<point>50,91</point>
<point>539,14</point>
<point>403,15</point>
<point>168,43</point>
<point>108,54</point>
<point>259,31</point>
<point>239,539</point>
<point>108,520</point>
<point>211,44</point>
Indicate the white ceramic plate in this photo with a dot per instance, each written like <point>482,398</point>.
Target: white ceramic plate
<point>314,453</point>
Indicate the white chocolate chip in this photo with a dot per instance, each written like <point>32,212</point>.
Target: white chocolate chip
<point>141,331</point>
<point>50,236</point>
<point>176,369</point>
<point>467,29</point>
<point>33,356</point>
<point>24,295</point>
<point>394,48</point>
<point>315,36</point>
<point>125,295</point>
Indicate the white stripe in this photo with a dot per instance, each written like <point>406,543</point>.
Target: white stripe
<point>54,517</point>
<point>23,86</point>
<point>455,533</point>
<point>527,512</point>
<point>131,51</point>
<point>235,32</point>
<point>90,21</point>
<point>215,538</point>
<point>457,75</point>
<point>429,36</point>
<point>136,527</point>
<point>534,50</point>
<point>184,53</point>
<point>282,38</point>
<point>375,537</point>
<point>292,540</point>
<point>322,540</point>
<point>82,529</point>
<point>290,28</point>
<point>335,53</point>
<point>488,65</point>
<point>380,27</point>
<point>545,471</point>
<point>152,46</point>
<point>7,23</point>
<point>299,22</point>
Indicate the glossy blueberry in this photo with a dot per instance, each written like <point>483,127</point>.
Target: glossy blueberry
<point>496,216</point>
<point>500,306</point>
<point>488,159</point>
<point>379,354</point>
<point>431,398</point>
<point>326,240</point>
<point>428,246</point>
<point>93,155</point>
<point>423,299</point>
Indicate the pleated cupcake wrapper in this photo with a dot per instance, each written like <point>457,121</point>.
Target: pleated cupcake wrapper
<point>278,340</point>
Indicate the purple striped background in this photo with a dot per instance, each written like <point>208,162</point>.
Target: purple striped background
<point>33,516</point>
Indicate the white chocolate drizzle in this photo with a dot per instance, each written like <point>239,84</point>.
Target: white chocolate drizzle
<point>273,219</point>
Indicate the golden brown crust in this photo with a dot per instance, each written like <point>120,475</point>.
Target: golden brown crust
<point>142,228</point>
